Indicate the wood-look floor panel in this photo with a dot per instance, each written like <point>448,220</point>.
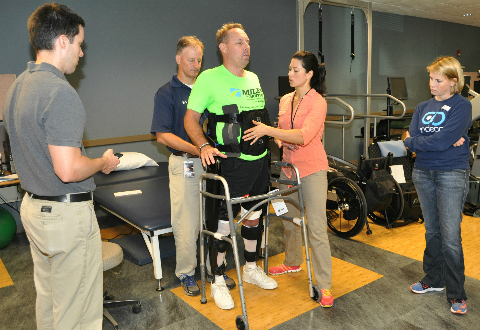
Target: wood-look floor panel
<point>269,308</point>
<point>409,241</point>
<point>5,279</point>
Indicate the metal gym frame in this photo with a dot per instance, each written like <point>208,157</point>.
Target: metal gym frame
<point>366,7</point>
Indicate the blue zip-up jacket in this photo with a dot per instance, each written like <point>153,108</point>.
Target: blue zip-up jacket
<point>435,127</point>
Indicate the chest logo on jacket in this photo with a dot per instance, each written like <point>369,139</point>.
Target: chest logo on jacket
<point>432,118</point>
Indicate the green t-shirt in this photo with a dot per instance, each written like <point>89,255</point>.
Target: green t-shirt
<point>217,87</point>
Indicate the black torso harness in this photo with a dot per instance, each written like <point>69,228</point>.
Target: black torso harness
<point>235,124</point>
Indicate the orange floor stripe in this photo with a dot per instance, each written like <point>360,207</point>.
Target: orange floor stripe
<point>5,279</point>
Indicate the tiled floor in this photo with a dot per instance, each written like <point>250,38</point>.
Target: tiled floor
<point>383,303</point>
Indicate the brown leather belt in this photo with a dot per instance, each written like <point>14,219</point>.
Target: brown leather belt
<point>81,197</point>
<point>183,154</point>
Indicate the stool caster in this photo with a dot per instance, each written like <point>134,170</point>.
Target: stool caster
<point>137,308</point>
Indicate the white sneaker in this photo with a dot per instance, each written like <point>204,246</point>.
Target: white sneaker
<point>256,275</point>
<point>221,294</point>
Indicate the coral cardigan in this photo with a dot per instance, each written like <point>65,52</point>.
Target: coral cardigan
<point>309,117</point>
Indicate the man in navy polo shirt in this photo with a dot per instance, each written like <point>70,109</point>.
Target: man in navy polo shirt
<point>184,164</point>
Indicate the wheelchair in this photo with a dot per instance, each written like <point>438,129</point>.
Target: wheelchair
<point>346,203</point>
<point>353,197</point>
<point>404,206</point>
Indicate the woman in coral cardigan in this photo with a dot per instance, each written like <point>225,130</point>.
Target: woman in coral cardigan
<point>300,128</point>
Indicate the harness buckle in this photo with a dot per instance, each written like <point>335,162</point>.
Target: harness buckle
<point>236,148</point>
<point>233,118</point>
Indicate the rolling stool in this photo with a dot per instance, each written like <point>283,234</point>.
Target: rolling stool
<point>112,256</point>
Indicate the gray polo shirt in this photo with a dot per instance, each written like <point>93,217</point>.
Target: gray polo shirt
<point>41,108</point>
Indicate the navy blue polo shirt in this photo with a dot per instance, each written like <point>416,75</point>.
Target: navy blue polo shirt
<point>170,106</point>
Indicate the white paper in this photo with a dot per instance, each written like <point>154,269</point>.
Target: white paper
<point>278,204</point>
<point>397,173</point>
<point>9,177</point>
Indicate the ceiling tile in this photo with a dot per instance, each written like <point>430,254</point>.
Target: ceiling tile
<point>445,10</point>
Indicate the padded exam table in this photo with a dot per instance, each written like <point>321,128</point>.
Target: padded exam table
<point>149,211</point>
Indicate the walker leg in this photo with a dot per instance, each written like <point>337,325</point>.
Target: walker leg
<point>307,257</point>
<point>239,275</point>
<point>265,237</point>
<point>261,243</point>
<point>203,299</point>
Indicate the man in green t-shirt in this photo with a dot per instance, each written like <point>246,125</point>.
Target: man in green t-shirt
<point>230,89</point>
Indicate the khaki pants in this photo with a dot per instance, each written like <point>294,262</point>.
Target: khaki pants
<point>67,256</point>
<point>185,212</point>
<point>314,189</point>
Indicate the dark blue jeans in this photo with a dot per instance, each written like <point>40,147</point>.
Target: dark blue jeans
<point>442,194</point>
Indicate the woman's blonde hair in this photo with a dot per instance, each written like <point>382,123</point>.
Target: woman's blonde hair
<point>450,68</point>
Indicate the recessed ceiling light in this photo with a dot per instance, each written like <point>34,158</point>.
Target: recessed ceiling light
<point>465,15</point>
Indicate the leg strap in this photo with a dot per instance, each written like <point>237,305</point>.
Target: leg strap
<point>220,270</point>
<point>250,256</point>
<point>221,245</point>
<point>251,233</point>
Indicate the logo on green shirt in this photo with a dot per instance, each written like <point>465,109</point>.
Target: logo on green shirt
<point>249,93</point>
<point>235,92</point>
<point>253,93</point>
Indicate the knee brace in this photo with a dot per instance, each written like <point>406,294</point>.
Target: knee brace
<point>251,233</point>
<point>221,245</point>
<point>254,215</point>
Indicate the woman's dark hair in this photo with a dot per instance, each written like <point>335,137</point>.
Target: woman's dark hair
<point>49,22</point>
<point>310,63</point>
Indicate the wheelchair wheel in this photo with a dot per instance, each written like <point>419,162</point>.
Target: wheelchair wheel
<point>393,211</point>
<point>346,207</point>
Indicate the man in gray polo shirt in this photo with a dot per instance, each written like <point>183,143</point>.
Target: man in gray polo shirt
<point>45,120</point>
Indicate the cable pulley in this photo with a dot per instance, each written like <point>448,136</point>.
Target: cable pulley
<point>352,37</point>
<point>320,54</point>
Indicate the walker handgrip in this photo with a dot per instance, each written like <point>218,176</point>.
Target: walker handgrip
<point>285,182</point>
<point>211,176</point>
<point>282,164</point>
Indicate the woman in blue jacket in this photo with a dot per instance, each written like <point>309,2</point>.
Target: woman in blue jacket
<point>438,136</point>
